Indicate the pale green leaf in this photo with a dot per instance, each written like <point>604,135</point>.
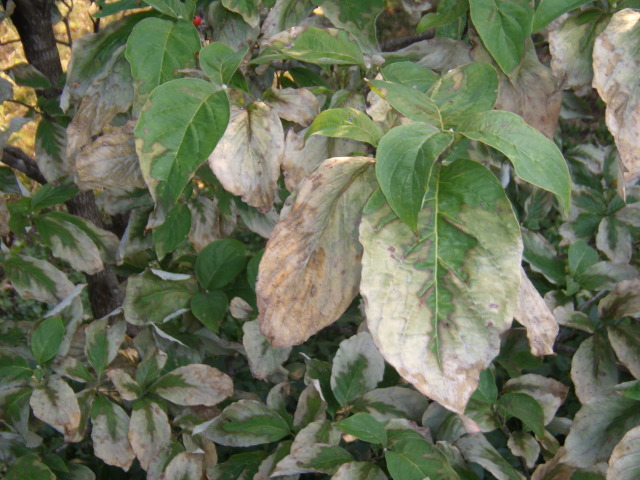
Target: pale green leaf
<point>263,358</point>
<point>443,16</point>
<point>220,62</point>
<point>149,432</point>
<point>417,459</point>
<point>150,298</point>
<point>536,159</point>
<point>503,26</point>
<point>404,161</point>
<point>410,74</point>
<point>56,404</point>
<point>247,9</point>
<point>110,425</point>
<point>410,102</point>
<point>178,128</point>
<point>549,10</point>
<point>247,158</point>
<point>364,427</point>
<point>245,423</point>
<point>310,271</point>
<point>194,384</point>
<point>438,301</point>
<point>346,123</point>
<point>315,458</point>
<point>357,368</point>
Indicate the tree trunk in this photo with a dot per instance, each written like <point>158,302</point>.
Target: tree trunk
<point>32,19</point>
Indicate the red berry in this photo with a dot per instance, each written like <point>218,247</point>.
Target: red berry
<point>197,20</point>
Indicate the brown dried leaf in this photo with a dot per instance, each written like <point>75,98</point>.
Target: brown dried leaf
<point>247,158</point>
<point>149,432</point>
<point>616,66</point>
<point>310,270</point>
<point>554,469</point>
<point>110,161</point>
<point>297,105</point>
<point>56,404</point>
<point>532,312</point>
<point>195,384</point>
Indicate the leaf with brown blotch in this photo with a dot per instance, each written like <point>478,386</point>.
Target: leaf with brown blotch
<point>532,312</point>
<point>247,158</point>
<point>56,404</point>
<point>616,66</point>
<point>149,432</point>
<point>110,161</point>
<point>209,222</point>
<point>310,271</point>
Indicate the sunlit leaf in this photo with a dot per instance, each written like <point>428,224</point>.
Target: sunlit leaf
<point>416,459</point>
<point>174,8</point>
<point>247,9</point>
<point>432,308</point>
<point>549,10</point>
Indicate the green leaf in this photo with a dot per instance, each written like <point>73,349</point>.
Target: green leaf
<point>46,339</point>
<point>357,368</point>
<point>536,159</point>
<point>581,256</point>
<point>346,123</point>
<point>410,74</point>
<point>365,427</point>
<point>410,102</point>
<point>549,10</point>
<point>210,308</point>
<point>8,181</point>
<point>404,161</point>
<point>503,26</point>
<point>357,18</point>
<point>437,301</point>
<point>248,9</point>
<point>103,342</point>
<point>157,49</point>
<point>238,466</point>
<point>13,367</point>
<point>417,459</point>
<point>117,6</point>
<point>168,236</point>
<point>542,257</point>
<point>220,262</point>
<point>525,408</point>
<point>264,359</point>
<point>29,467</point>
<point>180,9</point>
<point>245,423</point>
<point>487,392</point>
<point>624,463</point>
<point>26,75</point>
<point>49,195</point>
<point>153,296</point>
<point>463,91</point>
<point>178,128</point>
<point>220,62</point>
<point>445,15</point>
<point>630,390</point>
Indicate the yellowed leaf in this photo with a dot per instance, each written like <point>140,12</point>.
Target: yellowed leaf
<point>247,158</point>
<point>532,312</point>
<point>616,66</point>
<point>310,271</point>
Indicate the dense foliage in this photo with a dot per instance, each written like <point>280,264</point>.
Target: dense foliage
<point>266,238</point>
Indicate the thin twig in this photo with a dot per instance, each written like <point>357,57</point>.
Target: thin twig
<point>398,43</point>
<point>591,301</point>
<point>8,42</point>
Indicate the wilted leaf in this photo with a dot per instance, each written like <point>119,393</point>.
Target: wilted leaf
<point>178,128</point>
<point>597,427</point>
<point>245,423</point>
<point>475,448</point>
<point>209,222</point>
<point>357,368</point>
<point>109,433</point>
<point>420,290</point>
<point>110,161</point>
<point>37,279</point>
<point>535,158</point>
<point>404,162</point>
<point>157,50</point>
<point>297,105</point>
<point>532,312</point>
<point>109,93</point>
<point>247,158</point>
<point>149,432</point>
<point>593,368</point>
<point>524,445</point>
<point>359,471</point>
<point>623,301</point>
<point>310,271</point>
<point>624,463</point>
<point>151,298</point>
<point>186,465</point>
<point>616,63</point>
<point>549,393</point>
<point>55,403</point>
<point>263,358</point>
<point>194,384</point>
<point>571,47</point>
<point>625,340</point>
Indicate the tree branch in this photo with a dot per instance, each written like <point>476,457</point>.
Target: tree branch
<point>16,158</point>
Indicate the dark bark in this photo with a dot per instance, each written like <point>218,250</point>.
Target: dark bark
<point>17,159</point>
<point>32,19</point>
